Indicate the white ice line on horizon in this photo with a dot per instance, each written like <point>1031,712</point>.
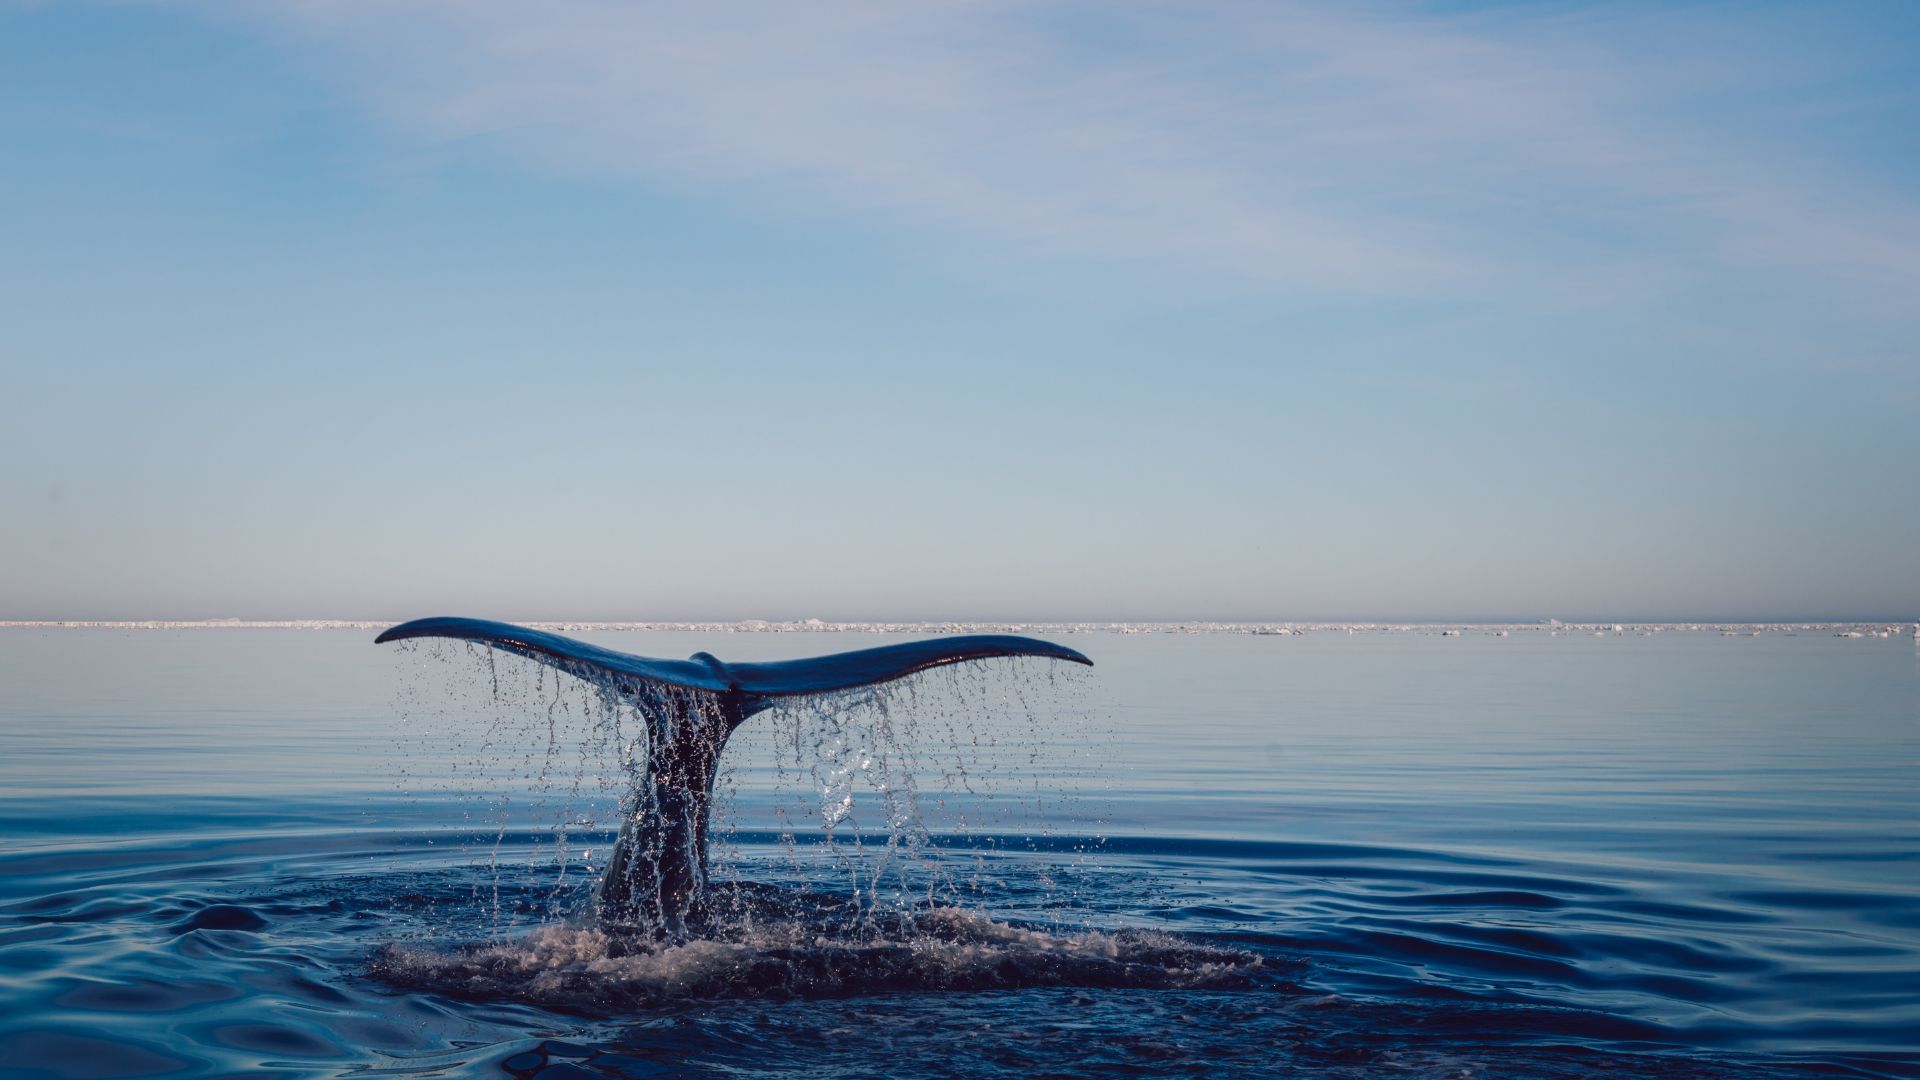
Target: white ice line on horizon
<point>1866,627</point>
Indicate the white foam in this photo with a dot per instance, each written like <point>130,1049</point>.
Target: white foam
<point>942,948</point>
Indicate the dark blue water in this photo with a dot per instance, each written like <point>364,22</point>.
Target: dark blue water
<point>285,853</point>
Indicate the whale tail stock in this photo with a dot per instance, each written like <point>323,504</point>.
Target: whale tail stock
<point>657,872</point>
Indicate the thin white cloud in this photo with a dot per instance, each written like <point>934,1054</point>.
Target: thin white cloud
<point>1310,145</point>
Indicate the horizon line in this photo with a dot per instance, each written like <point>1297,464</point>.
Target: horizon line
<point>817,624</point>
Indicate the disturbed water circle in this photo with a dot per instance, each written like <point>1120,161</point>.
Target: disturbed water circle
<point>781,954</point>
<point>880,904</point>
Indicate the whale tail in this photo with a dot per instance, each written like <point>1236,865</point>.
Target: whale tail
<point>756,685</point>
<point>657,872</point>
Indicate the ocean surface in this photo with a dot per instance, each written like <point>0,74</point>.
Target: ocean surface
<point>276,852</point>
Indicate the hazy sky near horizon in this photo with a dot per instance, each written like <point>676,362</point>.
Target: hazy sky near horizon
<point>959,309</point>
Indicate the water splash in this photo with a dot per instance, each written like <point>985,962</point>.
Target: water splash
<point>856,783</point>
<point>781,954</point>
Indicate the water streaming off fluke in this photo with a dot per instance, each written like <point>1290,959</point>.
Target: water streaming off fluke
<point>659,926</point>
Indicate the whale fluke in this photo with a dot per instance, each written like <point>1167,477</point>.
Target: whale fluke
<point>560,651</point>
<point>779,678</point>
<point>657,872</point>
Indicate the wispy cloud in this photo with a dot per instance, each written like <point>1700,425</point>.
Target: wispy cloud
<point>1320,146</point>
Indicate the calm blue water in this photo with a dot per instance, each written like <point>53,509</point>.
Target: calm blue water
<point>286,853</point>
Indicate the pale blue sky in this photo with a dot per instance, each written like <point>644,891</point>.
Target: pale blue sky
<point>959,310</point>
